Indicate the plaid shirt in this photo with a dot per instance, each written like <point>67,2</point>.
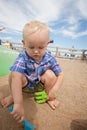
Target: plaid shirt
<point>26,65</point>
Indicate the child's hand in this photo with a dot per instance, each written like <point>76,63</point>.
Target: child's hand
<point>18,112</point>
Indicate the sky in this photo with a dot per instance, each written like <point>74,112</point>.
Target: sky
<point>67,20</point>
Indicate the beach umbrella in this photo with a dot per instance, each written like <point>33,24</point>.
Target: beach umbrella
<point>27,124</point>
<point>7,57</point>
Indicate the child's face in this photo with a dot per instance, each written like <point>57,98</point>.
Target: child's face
<point>36,44</point>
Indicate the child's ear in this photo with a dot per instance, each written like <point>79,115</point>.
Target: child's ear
<point>23,44</point>
<point>50,41</point>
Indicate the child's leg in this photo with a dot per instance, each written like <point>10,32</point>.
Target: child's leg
<point>7,101</point>
<point>49,79</point>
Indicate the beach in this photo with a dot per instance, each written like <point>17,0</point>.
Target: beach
<point>72,96</point>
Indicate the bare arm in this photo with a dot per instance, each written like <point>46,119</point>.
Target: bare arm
<point>59,81</point>
<point>16,88</point>
<point>56,86</point>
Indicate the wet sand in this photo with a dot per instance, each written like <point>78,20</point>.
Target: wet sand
<point>72,96</point>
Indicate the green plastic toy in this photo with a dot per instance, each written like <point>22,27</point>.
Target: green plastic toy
<point>41,97</point>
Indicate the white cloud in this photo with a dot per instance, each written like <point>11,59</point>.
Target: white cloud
<point>72,34</point>
<point>14,14</point>
<point>82,6</point>
<point>82,34</point>
<point>46,11</point>
<point>11,15</point>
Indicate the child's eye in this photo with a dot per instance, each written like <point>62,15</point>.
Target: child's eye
<point>31,47</point>
<point>41,47</point>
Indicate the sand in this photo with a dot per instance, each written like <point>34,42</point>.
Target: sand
<point>72,96</point>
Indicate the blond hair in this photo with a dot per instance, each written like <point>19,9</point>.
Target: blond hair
<point>33,27</point>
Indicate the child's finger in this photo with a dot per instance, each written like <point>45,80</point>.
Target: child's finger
<point>13,112</point>
<point>17,118</point>
<point>21,120</point>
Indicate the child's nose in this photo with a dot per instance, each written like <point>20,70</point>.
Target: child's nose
<point>36,51</point>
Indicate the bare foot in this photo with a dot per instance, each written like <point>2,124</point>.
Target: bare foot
<point>53,104</point>
<point>7,101</point>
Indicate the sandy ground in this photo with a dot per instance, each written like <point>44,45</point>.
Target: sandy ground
<point>72,97</point>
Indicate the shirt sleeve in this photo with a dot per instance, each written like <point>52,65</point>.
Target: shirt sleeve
<point>55,66</point>
<point>19,65</point>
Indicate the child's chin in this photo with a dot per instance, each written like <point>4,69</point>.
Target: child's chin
<point>37,59</point>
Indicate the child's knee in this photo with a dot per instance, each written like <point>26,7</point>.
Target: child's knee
<point>20,77</point>
<point>49,74</point>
